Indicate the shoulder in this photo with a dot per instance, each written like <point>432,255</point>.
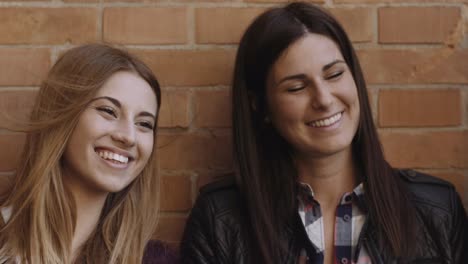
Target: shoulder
<point>216,226</point>
<point>158,252</point>
<point>428,190</point>
<point>220,197</point>
<point>218,208</point>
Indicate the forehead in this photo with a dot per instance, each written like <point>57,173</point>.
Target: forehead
<point>130,90</point>
<point>310,52</point>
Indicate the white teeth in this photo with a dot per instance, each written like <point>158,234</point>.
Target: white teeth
<point>326,122</point>
<point>112,156</point>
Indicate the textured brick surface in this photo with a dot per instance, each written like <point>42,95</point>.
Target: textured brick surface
<point>395,1</point>
<point>226,25</point>
<point>176,194</point>
<point>223,25</point>
<point>417,24</point>
<point>427,149</point>
<point>280,1</point>
<point>357,22</point>
<point>22,66</point>
<point>411,66</point>
<point>170,228</point>
<point>81,1</point>
<point>143,25</point>
<point>418,108</point>
<point>175,109</point>
<point>414,54</point>
<point>15,106</point>
<point>177,2</point>
<point>206,178</point>
<point>48,25</point>
<point>195,152</point>
<point>190,67</point>
<point>12,145</point>
<point>213,108</point>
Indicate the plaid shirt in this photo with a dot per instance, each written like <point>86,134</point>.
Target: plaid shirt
<point>348,224</point>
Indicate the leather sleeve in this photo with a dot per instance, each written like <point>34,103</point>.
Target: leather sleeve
<point>198,245</point>
<point>459,232</point>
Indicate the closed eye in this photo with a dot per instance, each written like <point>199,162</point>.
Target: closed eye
<point>295,88</point>
<point>334,75</point>
<point>107,110</point>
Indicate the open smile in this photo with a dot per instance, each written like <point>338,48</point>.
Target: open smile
<point>111,156</point>
<point>325,122</point>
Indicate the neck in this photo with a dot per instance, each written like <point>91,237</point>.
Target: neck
<point>329,176</point>
<point>88,211</point>
<point>88,205</point>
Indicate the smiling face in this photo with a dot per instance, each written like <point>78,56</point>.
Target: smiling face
<point>312,97</point>
<point>113,139</point>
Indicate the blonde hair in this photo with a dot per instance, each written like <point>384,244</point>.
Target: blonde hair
<point>42,209</point>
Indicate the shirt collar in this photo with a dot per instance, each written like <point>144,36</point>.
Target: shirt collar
<point>306,193</point>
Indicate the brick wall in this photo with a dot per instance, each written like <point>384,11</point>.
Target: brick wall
<point>414,54</point>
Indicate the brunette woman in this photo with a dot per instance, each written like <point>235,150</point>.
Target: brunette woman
<point>86,187</point>
<point>311,182</point>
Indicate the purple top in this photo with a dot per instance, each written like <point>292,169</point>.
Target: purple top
<point>158,253</point>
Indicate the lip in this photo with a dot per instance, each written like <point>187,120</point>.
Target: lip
<point>117,151</point>
<point>332,125</point>
<point>113,164</point>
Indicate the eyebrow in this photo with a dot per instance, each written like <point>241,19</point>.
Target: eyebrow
<point>302,76</point>
<point>119,105</point>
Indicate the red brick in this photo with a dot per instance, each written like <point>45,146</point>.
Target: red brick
<point>170,229</point>
<point>190,67</point>
<point>23,67</point>
<point>174,109</point>
<point>81,1</point>
<point>280,1</point>
<point>145,25</point>
<point>213,108</point>
<point>415,66</point>
<point>395,1</point>
<point>176,193</point>
<point>195,152</point>
<point>415,108</point>
<point>223,25</point>
<point>11,146</point>
<point>206,178</point>
<point>357,22</point>
<point>417,24</point>
<point>15,106</point>
<point>48,25</point>
<point>126,1</point>
<point>167,1</point>
<point>6,1</point>
<point>226,25</point>
<point>447,149</point>
<point>466,107</point>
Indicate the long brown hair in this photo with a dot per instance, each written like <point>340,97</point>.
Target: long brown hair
<point>42,208</point>
<point>264,168</point>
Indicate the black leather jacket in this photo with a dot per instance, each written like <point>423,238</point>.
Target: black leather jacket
<point>216,229</point>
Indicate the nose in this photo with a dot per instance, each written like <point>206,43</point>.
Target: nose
<point>124,133</point>
<point>321,96</point>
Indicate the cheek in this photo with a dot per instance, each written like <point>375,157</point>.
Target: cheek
<point>286,108</point>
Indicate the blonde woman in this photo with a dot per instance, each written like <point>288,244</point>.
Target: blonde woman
<point>86,188</point>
